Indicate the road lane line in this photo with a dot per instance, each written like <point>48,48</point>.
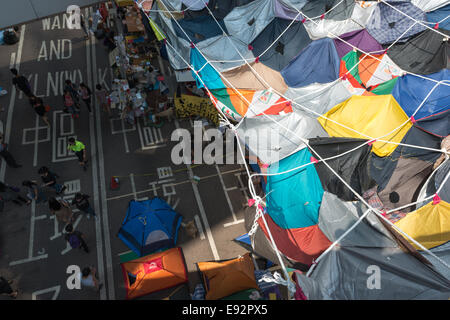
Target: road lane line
<point>36,141</point>
<point>199,227</point>
<point>212,244</point>
<point>104,204</point>
<point>17,57</point>
<point>98,226</point>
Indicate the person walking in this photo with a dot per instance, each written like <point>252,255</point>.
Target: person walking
<point>80,151</point>
<point>82,203</point>
<point>88,278</point>
<point>61,209</point>
<point>86,94</point>
<point>72,88</point>
<point>5,288</point>
<point>49,180</point>
<point>75,238</point>
<point>21,83</point>
<point>101,95</point>
<point>69,104</point>
<point>34,192</point>
<point>40,109</point>
<point>6,155</point>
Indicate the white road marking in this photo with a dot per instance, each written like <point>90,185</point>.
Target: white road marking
<point>15,59</point>
<point>98,227</point>
<point>55,289</point>
<point>59,143</point>
<point>212,244</point>
<point>199,227</point>
<point>104,215</point>
<point>31,242</point>
<point>235,220</point>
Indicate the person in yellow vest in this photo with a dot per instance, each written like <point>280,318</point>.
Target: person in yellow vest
<point>80,151</point>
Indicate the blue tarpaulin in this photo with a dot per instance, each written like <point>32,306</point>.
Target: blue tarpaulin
<point>318,62</point>
<point>199,29</point>
<point>207,73</point>
<point>410,91</point>
<point>441,16</point>
<point>293,198</point>
<point>149,226</point>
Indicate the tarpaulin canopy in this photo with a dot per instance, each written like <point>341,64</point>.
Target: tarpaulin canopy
<point>334,25</point>
<point>438,124</point>
<point>257,76</point>
<point>341,10</point>
<point>429,225</point>
<point>337,216</point>
<point>318,97</point>
<point>195,5</point>
<point>272,141</point>
<point>222,48</point>
<point>284,48</point>
<point>300,245</point>
<point>289,9</point>
<point>17,12</point>
<point>318,62</point>
<point>426,53</point>
<point>246,22</point>
<point>440,16</point>
<point>209,77</point>
<point>429,5</point>
<point>402,276</point>
<point>387,24</point>
<point>198,29</point>
<point>352,167</point>
<point>293,198</point>
<point>361,39</point>
<point>218,7</point>
<point>404,185</point>
<point>344,272</point>
<point>384,113</point>
<point>178,46</point>
<point>410,92</point>
<point>262,246</point>
<point>238,103</point>
<point>381,168</point>
<point>369,75</point>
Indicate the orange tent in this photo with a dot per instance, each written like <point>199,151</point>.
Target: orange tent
<point>154,272</point>
<point>224,278</point>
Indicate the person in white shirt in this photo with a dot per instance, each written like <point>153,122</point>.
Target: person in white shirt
<point>88,278</point>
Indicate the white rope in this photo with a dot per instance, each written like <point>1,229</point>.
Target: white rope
<point>345,184</point>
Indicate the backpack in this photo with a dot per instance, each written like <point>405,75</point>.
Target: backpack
<point>74,241</point>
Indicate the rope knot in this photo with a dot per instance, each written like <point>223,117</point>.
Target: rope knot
<point>436,199</point>
<point>372,142</point>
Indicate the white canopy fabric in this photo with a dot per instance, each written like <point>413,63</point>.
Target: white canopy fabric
<point>17,12</point>
<point>430,5</point>
<point>320,97</point>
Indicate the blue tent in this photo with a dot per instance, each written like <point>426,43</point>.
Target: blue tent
<point>410,91</point>
<point>318,62</point>
<point>293,198</point>
<point>149,226</point>
<point>387,23</point>
<point>199,29</point>
<point>441,16</point>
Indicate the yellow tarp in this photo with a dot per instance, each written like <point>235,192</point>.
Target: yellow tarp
<point>158,33</point>
<point>429,225</point>
<point>373,116</point>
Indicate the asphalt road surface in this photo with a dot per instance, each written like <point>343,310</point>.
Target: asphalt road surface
<point>33,251</point>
